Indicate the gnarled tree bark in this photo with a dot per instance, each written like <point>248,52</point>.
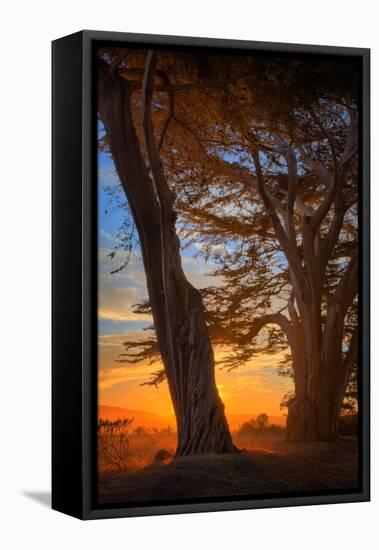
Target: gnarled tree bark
<point>176,305</point>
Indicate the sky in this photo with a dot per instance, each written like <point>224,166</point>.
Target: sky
<point>249,390</point>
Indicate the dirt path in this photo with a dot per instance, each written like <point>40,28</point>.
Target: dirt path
<point>286,468</point>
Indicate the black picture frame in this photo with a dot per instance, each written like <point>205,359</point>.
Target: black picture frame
<point>74,271</point>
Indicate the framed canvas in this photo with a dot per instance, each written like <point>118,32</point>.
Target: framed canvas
<point>210,275</point>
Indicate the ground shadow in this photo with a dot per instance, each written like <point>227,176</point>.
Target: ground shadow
<point>288,467</point>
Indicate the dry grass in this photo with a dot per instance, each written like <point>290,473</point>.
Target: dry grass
<point>283,468</point>
<point>144,444</point>
<point>268,464</point>
<point>141,450</point>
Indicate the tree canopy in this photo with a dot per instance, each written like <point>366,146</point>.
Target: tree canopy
<point>260,155</point>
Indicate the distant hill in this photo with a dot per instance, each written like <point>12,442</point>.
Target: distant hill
<point>151,420</point>
<point>141,418</point>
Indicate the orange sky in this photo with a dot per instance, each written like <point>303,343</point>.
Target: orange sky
<point>251,389</point>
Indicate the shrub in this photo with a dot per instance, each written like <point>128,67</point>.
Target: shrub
<point>113,442</point>
<point>260,426</point>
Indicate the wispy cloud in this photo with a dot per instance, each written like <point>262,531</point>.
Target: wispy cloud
<point>109,236</point>
<point>119,375</point>
<point>116,303</point>
<point>107,175</point>
<point>199,273</point>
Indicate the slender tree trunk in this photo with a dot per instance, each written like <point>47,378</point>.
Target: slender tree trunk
<point>176,305</point>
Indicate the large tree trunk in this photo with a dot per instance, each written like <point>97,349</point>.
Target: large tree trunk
<point>299,422</point>
<point>176,305</point>
<point>321,375</point>
<point>302,409</point>
<point>313,413</point>
<point>336,368</point>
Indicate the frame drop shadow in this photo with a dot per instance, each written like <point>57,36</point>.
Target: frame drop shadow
<point>42,497</point>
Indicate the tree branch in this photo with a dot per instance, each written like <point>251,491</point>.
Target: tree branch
<point>348,286</point>
<point>333,184</point>
<point>165,196</point>
<point>170,116</point>
<point>351,146</point>
<point>348,366</point>
<point>290,158</point>
<point>288,248</point>
<point>317,167</point>
<point>271,318</point>
<point>121,55</point>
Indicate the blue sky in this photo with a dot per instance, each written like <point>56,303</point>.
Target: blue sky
<point>253,388</point>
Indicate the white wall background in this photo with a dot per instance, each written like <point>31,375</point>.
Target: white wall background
<point>27,29</point>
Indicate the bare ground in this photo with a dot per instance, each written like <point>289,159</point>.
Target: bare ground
<point>283,468</point>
